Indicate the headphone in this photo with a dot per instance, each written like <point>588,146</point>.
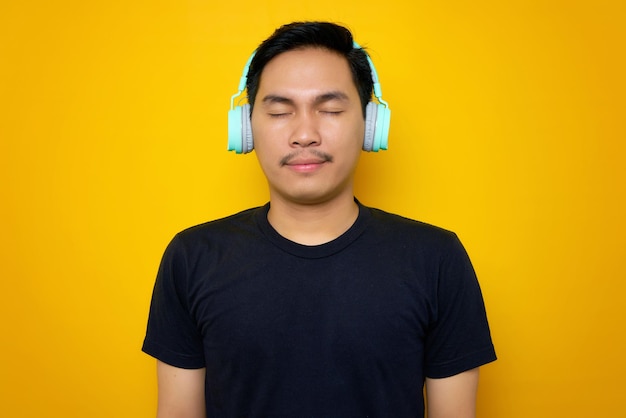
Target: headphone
<point>377,116</point>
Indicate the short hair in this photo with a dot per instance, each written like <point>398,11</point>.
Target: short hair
<point>300,35</point>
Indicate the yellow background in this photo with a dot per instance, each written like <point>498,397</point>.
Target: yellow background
<point>508,127</point>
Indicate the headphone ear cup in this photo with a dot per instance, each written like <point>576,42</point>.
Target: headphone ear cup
<point>387,120</point>
<point>235,127</point>
<point>383,116</point>
<point>239,130</point>
<point>370,126</point>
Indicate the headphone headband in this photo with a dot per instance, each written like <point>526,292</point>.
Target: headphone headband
<point>243,80</point>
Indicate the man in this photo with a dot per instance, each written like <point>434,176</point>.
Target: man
<point>315,305</point>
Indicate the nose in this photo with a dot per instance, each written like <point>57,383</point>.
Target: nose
<point>305,133</point>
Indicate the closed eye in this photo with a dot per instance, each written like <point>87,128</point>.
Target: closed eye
<point>279,115</point>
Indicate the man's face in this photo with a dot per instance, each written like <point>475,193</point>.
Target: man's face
<point>308,126</point>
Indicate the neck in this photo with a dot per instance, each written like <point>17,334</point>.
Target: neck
<point>313,224</point>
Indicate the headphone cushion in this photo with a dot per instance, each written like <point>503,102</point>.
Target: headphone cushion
<point>370,126</point>
<point>246,129</point>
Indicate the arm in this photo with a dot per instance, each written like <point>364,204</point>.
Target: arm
<point>181,392</point>
<point>452,397</point>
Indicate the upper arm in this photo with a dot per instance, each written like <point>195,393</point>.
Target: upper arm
<point>181,392</point>
<point>453,396</point>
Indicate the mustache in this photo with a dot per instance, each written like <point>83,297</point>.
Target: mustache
<point>296,154</point>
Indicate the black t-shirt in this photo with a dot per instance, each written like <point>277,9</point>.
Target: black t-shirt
<point>349,328</point>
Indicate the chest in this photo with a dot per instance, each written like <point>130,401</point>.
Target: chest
<point>273,303</point>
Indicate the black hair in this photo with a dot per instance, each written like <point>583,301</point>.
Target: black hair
<point>299,35</point>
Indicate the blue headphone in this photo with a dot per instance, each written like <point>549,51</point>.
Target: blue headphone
<point>377,116</point>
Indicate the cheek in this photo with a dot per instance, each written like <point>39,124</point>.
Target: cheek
<point>267,133</point>
<point>355,142</point>
<point>267,151</point>
<point>267,158</point>
<point>261,137</point>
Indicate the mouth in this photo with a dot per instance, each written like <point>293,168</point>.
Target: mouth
<point>306,163</point>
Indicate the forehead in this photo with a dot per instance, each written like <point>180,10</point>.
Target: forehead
<point>309,69</point>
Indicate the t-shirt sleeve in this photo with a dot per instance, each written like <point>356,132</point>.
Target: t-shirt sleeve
<point>172,335</point>
<point>459,338</point>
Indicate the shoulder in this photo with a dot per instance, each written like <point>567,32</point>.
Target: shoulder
<point>410,231</point>
<point>223,232</point>
<point>223,226</point>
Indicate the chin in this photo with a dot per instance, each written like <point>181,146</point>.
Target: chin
<point>312,197</point>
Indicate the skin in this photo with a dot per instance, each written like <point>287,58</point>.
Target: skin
<point>452,397</point>
<point>308,133</point>
<point>181,392</point>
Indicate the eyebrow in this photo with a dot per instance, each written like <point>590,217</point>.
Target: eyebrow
<point>322,98</point>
